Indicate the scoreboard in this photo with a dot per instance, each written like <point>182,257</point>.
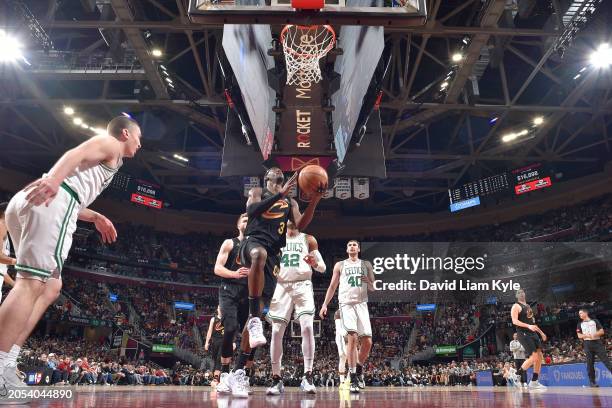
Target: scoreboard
<point>140,192</point>
<point>531,178</point>
<point>515,182</point>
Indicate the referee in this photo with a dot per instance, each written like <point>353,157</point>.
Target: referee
<point>591,332</point>
<point>518,352</point>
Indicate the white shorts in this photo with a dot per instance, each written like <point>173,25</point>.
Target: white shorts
<point>42,236</point>
<point>356,319</point>
<point>289,296</point>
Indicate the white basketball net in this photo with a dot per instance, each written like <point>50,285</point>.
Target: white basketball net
<point>304,46</point>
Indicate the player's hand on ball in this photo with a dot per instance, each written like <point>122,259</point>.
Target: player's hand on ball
<point>242,273</point>
<point>106,229</point>
<point>42,191</point>
<point>323,312</point>
<point>290,183</point>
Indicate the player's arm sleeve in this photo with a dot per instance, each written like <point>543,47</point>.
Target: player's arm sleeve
<point>320,262</point>
<point>258,208</point>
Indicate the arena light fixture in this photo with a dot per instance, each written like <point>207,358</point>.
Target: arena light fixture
<point>99,131</point>
<point>602,57</point>
<point>168,80</point>
<point>456,57</point>
<point>538,120</point>
<point>77,121</point>
<point>84,125</point>
<point>523,132</point>
<point>68,110</point>
<point>181,158</point>
<point>156,52</point>
<point>509,137</point>
<point>10,48</point>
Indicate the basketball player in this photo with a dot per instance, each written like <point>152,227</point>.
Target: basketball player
<point>294,291</point>
<point>214,338</point>
<point>42,234</point>
<point>234,306</point>
<point>350,274</point>
<point>590,331</point>
<point>5,252</point>
<point>269,210</point>
<point>341,345</point>
<point>527,334</point>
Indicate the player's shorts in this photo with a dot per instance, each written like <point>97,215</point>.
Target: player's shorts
<point>530,342</point>
<point>234,304</point>
<point>271,269</point>
<point>356,319</point>
<point>42,236</point>
<point>290,296</point>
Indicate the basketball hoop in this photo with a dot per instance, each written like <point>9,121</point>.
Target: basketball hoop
<point>304,46</point>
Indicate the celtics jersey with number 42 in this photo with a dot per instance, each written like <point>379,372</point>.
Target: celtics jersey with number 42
<point>352,288</point>
<point>293,267</point>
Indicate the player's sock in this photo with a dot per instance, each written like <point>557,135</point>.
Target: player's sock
<point>242,360</point>
<point>534,377</point>
<point>308,375</point>
<point>248,371</point>
<point>13,354</point>
<point>352,370</point>
<point>3,358</point>
<point>342,378</point>
<point>359,369</point>
<point>276,378</point>
<point>225,368</point>
<point>254,306</point>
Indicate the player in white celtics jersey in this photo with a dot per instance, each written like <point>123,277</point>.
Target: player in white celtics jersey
<point>5,252</point>
<point>294,295</point>
<point>355,278</point>
<point>41,220</point>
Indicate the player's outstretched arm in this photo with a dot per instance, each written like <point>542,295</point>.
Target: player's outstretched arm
<point>96,150</point>
<point>333,285</point>
<point>221,270</point>
<point>104,226</point>
<point>314,258</point>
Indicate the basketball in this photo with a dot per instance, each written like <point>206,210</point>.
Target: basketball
<point>313,178</point>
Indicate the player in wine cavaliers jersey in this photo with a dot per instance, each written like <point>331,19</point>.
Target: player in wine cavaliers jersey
<point>529,337</point>
<point>269,210</point>
<point>214,340</point>
<point>350,275</point>
<point>5,252</point>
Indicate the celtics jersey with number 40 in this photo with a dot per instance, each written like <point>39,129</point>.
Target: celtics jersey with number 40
<point>352,288</point>
<point>293,267</point>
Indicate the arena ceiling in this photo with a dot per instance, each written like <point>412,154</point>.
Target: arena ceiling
<point>436,136</point>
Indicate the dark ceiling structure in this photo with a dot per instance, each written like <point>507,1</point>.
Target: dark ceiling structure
<point>520,59</point>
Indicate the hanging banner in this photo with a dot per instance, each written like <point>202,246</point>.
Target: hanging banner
<point>249,183</point>
<point>361,188</point>
<point>343,188</point>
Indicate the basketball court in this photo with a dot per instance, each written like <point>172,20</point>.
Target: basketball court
<point>371,397</point>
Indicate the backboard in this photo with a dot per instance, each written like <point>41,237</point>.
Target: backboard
<point>335,12</point>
